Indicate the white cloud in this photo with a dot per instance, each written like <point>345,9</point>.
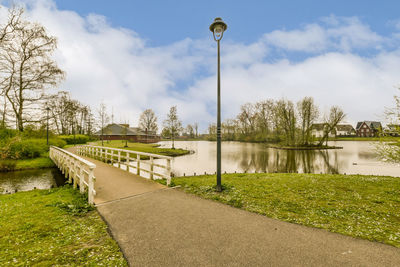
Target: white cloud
<point>116,65</point>
<point>338,33</point>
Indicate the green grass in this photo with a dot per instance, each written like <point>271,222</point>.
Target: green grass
<point>148,148</point>
<point>386,138</point>
<point>54,227</point>
<point>26,164</point>
<point>360,206</point>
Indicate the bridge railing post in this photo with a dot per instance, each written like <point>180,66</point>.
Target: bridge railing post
<point>81,179</point>
<point>119,159</point>
<point>91,180</point>
<point>168,172</point>
<point>138,164</point>
<point>151,168</point>
<point>127,161</point>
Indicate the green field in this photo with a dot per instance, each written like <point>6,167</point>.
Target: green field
<point>140,147</point>
<point>383,139</point>
<point>54,227</point>
<point>359,206</point>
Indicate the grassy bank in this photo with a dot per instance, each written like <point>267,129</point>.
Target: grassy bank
<point>54,227</point>
<point>148,148</point>
<point>359,206</point>
<point>26,164</point>
<point>383,139</point>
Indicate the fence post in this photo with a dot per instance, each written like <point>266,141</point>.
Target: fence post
<point>91,185</point>
<point>151,168</point>
<point>168,172</point>
<point>73,169</point>
<point>119,159</point>
<point>127,161</point>
<point>138,164</point>
<point>81,179</point>
<point>112,157</point>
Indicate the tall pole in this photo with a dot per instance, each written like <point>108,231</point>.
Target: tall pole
<point>219,187</point>
<point>47,126</point>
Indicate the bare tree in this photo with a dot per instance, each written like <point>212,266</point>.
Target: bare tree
<point>287,120</point>
<point>391,151</point>
<point>104,118</point>
<point>148,121</point>
<point>308,113</point>
<point>173,124</point>
<point>336,115</point>
<point>27,67</point>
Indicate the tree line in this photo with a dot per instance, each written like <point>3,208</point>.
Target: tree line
<point>279,121</point>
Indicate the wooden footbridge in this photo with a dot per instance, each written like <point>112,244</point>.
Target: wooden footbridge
<point>109,174</point>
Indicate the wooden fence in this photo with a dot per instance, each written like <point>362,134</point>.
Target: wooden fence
<point>76,169</point>
<point>130,159</point>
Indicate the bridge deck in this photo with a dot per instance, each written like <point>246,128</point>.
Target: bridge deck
<point>114,184</point>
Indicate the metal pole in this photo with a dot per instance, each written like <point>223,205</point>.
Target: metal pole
<point>219,187</point>
<point>47,127</point>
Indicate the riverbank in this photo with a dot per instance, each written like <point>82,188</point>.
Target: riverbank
<point>26,164</point>
<point>355,205</point>
<point>147,148</point>
<point>54,227</point>
<point>377,139</point>
<point>311,147</point>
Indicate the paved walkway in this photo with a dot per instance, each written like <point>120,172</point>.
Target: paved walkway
<point>159,226</point>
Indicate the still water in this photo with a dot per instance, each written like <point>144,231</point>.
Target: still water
<point>354,158</point>
<point>11,182</point>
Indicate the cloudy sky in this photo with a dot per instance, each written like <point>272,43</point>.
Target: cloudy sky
<point>134,55</point>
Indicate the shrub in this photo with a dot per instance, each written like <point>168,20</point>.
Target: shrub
<point>79,139</point>
<point>27,148</point>
<point>57,142</point>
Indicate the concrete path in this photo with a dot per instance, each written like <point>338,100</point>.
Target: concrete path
<point>159,226</point>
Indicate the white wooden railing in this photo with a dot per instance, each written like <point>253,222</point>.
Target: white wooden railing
<point>129,159</point>
<point>76,169</point>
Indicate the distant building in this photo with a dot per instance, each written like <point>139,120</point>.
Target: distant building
<point>392,130</point>
<point>124,132</point>
<point>345,130</point>
<point>318,130</point>
<point>368,128</point>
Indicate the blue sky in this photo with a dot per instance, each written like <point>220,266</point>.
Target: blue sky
<point>134,55</point>
<point>165,21</point>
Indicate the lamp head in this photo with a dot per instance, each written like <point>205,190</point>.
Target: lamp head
<point>218,27</point>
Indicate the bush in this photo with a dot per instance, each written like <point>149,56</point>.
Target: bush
<point>57,142</point>
<point>79,139</point>
<point>26,148</point>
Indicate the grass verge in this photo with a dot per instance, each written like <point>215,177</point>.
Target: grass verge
<point>26,164</point>
<point>54,227</point>
<point>147,148</point>
<point>383,139</point>
<point>359,206</point>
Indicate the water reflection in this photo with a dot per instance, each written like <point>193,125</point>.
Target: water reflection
<point>11,182</point>
<point>248,157</point>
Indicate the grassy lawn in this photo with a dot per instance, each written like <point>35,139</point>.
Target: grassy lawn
<point>359,206</point>
<point>386,139</point>
<point>148,148</point>
<point>54,227</point>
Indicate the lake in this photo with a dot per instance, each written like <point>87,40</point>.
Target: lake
<point>15,181</point>
<point>354,158</point>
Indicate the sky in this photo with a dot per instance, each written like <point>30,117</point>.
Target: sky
<point>134,55</point>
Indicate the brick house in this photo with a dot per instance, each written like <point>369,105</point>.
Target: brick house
<point>124,132</point>
<point>368,128</point>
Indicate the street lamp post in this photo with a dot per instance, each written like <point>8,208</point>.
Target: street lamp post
<point>217,28</point>
<point>47,130</point>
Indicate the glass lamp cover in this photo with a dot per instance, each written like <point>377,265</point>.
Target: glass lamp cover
<point>218,31</point>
